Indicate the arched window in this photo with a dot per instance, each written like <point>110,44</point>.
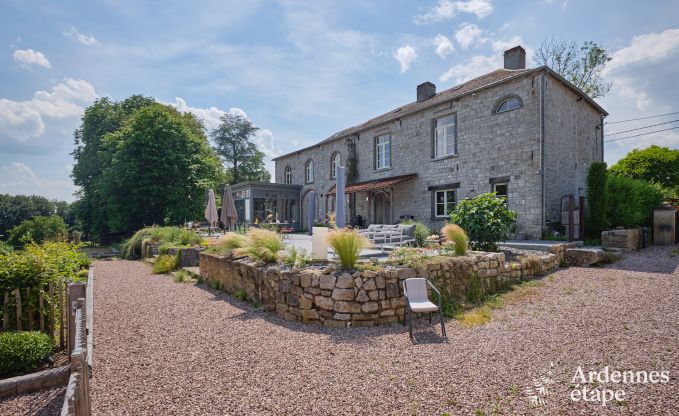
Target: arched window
<point>509,104</point>
<point>287,176</point>
<point>334,162</point>
<point>309,171</point>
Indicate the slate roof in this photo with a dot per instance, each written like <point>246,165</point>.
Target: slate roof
<point>483,81</point>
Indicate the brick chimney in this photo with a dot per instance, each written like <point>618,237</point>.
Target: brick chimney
<point>515,58</point>
<point>425,91</point>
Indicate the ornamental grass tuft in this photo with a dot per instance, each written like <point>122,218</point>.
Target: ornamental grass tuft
<point>347,244</point>
<point>261,245</point>
<point>229,242</point>
<point>458,237</point>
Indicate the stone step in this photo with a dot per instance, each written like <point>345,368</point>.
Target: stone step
<point>584,256</point>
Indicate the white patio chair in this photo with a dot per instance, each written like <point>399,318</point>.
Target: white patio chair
<point>417,300</point>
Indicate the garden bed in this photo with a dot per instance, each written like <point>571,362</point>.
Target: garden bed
<point>324,295</point>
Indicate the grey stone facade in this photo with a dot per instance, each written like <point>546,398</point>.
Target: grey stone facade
<point>554,121</point>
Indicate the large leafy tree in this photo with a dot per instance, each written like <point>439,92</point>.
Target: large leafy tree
<point>653,164</point>
<point>581,65</point>
<point>15,209</point>
<point>101,118</point>
<point>232,141</point>
<point>160,165</point>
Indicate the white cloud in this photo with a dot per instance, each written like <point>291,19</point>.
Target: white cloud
<point>446,9</point>
<point>88,40</point>
<point>28,57</point>
<point>22,120</point>
<point>405,55</point>
<point>19,178</point>
<point>627,88</point>
<point>468,35</point>
<point>478,65</point>
<point>645,49</point>
<point>502,45</point>
<point>444,46</point>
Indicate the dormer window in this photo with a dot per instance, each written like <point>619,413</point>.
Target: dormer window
<point>509,104</point>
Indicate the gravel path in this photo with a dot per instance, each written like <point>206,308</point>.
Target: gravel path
<point>181,349</point>
<point>42,403</point>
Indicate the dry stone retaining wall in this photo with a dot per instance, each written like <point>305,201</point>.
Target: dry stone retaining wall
<point>320,295</point>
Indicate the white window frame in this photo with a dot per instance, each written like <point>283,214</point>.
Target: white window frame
<point>383,151</point>
<point>445,203</point>
<point>505,197</point>
<point>309,171</point>
<point>445,136</point>
<point>287,175</point>
<point>336,161</point>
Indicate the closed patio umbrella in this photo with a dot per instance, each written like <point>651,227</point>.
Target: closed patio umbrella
<point>211,210</point>
<point>339,197</point>
<point>229,216</point>
<point>311,209</point>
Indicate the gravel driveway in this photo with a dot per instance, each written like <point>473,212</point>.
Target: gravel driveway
<point>165,348</point>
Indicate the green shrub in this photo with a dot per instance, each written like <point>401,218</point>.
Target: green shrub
<point>22,352</point>
<point>167,236</point>
<point>347,244</point>
<point>38,230</point>
<point>421,232</point>
<point>292,257</point>
<point>38,265</point>
<point>5,247</point>
<point>486,219</point>
<point>458,237</point>
<point>261,245</point>
<point>181,276</point>
<point>630,202</point>
<point>597,219</point>
<point>408,257</point>
<point>165,264</point>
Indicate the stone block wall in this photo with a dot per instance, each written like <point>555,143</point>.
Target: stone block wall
<point>320,295</point>
<point>627,240</point>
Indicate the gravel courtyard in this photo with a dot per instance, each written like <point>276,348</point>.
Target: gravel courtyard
<point>182,349</point>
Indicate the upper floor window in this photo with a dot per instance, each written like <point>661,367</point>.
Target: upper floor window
<point>445,202</point>
<point>334,162</point>
<point>309,171</point>
<point>287,175</point>
<point>383,151</point>
<point>511,103</point>
<point>444,136</point>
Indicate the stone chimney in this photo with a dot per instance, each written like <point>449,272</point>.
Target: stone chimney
<point>515,58</point>
<point>425,91</point>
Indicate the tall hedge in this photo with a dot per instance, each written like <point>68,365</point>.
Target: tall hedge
<point>597,220</point>
<point>630,202</point>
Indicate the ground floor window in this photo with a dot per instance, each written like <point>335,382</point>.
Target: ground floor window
<point>501,190</point>
<point>445,202</point>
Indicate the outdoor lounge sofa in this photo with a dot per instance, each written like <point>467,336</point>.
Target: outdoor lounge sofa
<point>389,236</point>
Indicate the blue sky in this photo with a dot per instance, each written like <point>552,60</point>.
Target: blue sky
<point>300,70</point>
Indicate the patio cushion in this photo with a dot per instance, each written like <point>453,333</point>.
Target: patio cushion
<point>374,227</point>
<point>408,229</point>
<point>389,227</point>
<point>424,306</point>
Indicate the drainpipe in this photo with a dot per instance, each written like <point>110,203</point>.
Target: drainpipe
<point>543,84</point>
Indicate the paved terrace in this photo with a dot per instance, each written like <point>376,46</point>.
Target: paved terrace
<point>183,349</point>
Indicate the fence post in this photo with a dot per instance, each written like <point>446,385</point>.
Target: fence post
<point>5,312</point>
<point>75,292</point>
<point>41,306</point>
<point>28,307</point>
<point>52,317</point>
<point>571,226</point>
<point>581,230</point>
<point>63,314</point>
<point>17,297</point>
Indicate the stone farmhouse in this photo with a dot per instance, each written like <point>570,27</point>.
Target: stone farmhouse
<point>527,134</point>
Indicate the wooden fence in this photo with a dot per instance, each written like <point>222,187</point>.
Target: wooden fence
<point>40,308</point>
<point>77,399</point>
